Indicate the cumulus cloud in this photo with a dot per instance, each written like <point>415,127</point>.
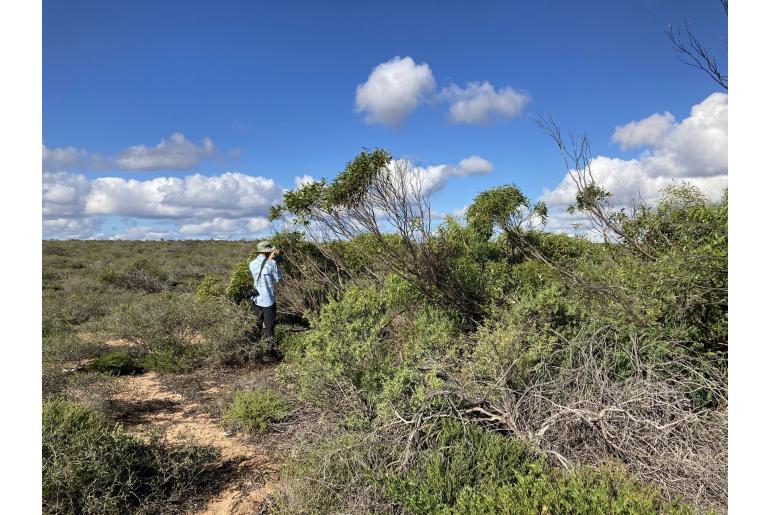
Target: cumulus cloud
<point>64,194</point>
<point>62,228</point>
<point>482,103</point>
<point>63,157</point>
<point>692,151</point>
<point>431,179</point>
<point>460,212</point>
<point>393,90</point>
<point>305,179</point>
<point>648,131</point>
<point>473,165</point>
<point>231,205</point>
<point>174,153</point>
<point>145,232</point>
<point>226,195</point>
<point>189,202</point>
<point>226,228</point>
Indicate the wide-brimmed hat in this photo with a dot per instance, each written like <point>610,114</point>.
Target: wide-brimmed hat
<point>264,246</point>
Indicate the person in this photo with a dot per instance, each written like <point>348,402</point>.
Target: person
<point>266,274</point>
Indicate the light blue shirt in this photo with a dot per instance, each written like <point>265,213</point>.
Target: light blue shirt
<point>266,283</point>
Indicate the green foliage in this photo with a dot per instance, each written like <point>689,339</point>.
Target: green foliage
<point>470,470</point>
<point>256,410</point>
<point>351,184</point>
<point>92,467</point>
<point>211,286</point>
<point>153,321</point>
<point>241,281</point>
<point>668,275</point>
<point>344,346</point>
<point>173,359</point>
<point>588,198</point>
<point>503,207</point>
<point>300,202</point>
<point>346,190</point>
<point>500,311</point>
<point>117,362</point>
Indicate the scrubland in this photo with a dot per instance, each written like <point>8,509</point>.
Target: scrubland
<point>447,366</point>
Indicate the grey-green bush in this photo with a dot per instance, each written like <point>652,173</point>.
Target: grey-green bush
<point>92,467</point>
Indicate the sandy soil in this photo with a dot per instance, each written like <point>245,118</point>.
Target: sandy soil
<point>143,402</point>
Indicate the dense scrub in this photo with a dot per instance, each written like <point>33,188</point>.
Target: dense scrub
<point>90,466</point>
<point>600,366</point>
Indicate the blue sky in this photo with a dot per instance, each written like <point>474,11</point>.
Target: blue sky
<point>269,89</point>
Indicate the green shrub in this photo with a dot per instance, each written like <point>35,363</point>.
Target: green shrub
<point>117,362</point>
<point>211,286</point>
<point>471,470</point>
<point>344,348</point>
<point>256,410</point>
<point>92,467</point>
<point>173,359</point>
<point>241,281</point>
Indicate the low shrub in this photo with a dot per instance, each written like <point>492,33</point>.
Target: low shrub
<point>241,281</point>
<point>333,472</point>
<point>343,350</point>
<point>177,332</point>
<point>471,470</point>
<point>116,362</point>
<point>211,286</point>
<point>173,359</point>
<point>92,467</point>
<point>141,275</point>
<point>63,347</point>
<point>256,410</point>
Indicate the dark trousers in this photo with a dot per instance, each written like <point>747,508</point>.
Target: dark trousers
<point>266,316</point>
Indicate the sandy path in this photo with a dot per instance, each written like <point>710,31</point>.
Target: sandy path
<point>147,403</point>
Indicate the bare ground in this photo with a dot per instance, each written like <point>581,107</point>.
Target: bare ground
<point>185,408</point>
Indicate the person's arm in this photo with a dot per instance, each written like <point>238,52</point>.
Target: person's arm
<point>275,271</point>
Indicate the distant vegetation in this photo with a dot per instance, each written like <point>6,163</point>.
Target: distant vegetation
<point>443,366</point>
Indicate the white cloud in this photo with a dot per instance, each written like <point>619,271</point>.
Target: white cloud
<point>70,228</point>
<point>64,194</point>
<point>226,228</point>
<point>474,164</point>
<point>648,131</point>
<point>460,212</point>
<point>305,179</point>
<point>144,232</point>
<point>176,153</point>
<point>393,90</point>
<point>693,151</point>
<point>431,179</point>
<point>231,205</point>
<point>63,157</point>
<point>481,103</point>
<point>227,195</point>
<point>217,225</point>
